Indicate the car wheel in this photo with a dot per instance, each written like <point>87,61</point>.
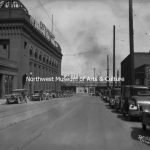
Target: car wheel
<point>143,126</point>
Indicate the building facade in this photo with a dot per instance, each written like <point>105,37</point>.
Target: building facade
<point>27,49</point>
<point>140,58</point>
<point>142,75</point>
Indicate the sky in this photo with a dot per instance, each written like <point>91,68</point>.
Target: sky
<point>84,30</point>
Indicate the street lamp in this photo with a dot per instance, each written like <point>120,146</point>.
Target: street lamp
<point>30,85</point>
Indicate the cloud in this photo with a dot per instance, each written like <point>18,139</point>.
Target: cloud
<point>84,29</point>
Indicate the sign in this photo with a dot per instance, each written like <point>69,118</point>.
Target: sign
<point>42,28</point>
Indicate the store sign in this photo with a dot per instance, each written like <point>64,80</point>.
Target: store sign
<point>42,28</point>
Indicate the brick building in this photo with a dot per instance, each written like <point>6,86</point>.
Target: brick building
<point>27,48</point>
<point>140,58</point>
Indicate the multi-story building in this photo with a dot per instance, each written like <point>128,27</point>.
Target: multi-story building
<point>140,58</point>
<point>27,48</point>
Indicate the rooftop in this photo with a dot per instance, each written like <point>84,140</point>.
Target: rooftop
<point>12,4</point>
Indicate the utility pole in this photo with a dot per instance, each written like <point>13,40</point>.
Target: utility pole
<point>131,36</point>
<point>94,77</point>
<point>117,78</point>
<point>114,55</point>
<point>107,71</point>
<point>94,72</point>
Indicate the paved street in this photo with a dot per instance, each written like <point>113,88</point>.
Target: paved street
<point>78,123</point>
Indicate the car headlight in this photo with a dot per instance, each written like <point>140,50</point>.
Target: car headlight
<point>133,107</point>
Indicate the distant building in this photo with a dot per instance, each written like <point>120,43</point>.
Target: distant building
<point>27,48</point>
<point>140,58</point>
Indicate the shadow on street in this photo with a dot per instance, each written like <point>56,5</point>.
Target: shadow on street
<point>138,132</point>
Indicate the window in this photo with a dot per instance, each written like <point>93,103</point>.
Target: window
<point>40,57</point>
<point>50,62</point>
<point>36,55</point>
<point>47,61</point>
<point>31,53</point>
<point>25,45</point>
<point>4,48</point>
<point>43,59</point>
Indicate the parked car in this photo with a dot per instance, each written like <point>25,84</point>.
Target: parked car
<point>17,96</point>
<point>53,94</point>
<point>115,98</point>
<point>97,93</point>
<point>59,94</point>
<point>146,115</point>
<point>46,95</point>
<point>106,95</point>
<point>133,98</point>
<point>37,96</point>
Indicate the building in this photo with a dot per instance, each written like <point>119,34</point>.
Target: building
<point>142,75</point>
<point>27,49</point>
<point>140,58</point>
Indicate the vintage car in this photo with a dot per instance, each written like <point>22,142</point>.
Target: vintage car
<point>106,95</point>
<point>146,115</point>
<point>97,93</point>
<point>17,96</point>
<point>115,98</point>
<point>53,94</point>
<point>37,96</point>
<point>133,98</point>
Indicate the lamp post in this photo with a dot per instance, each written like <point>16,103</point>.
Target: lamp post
<point>30,85</point>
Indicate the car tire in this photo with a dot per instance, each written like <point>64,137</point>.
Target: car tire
<point>143,126</point>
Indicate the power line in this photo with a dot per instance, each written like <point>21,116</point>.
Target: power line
<point>76,54</point>
<point>79,53</point>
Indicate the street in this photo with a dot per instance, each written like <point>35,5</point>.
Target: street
<point>80,122</point>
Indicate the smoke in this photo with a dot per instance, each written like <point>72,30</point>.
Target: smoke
<point>95,53</point>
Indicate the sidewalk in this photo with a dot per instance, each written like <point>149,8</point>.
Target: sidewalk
<point>2,101</point>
